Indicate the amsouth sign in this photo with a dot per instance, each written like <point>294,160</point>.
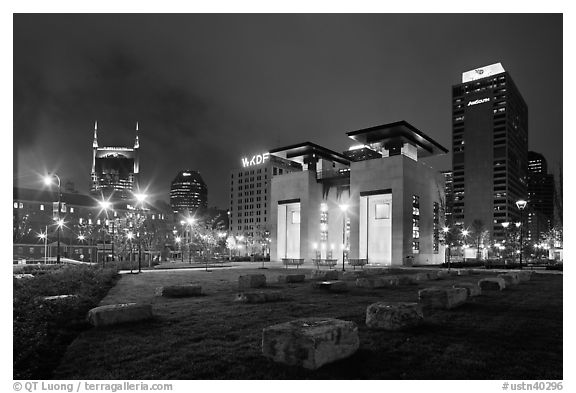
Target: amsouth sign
<point>255,160</point>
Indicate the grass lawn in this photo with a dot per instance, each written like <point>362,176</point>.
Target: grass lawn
<point>513,334</point>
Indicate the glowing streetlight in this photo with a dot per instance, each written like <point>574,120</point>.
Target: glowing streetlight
<point>107,205</point>
<point>81,237</point>
<point>344,208</point>
<point>49,180</point>
<point>44,236</point>
<point>521,205</point>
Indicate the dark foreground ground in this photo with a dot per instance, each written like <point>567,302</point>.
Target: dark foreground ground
<point>513,334</point>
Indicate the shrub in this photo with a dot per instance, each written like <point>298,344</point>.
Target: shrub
<point>43,329</point>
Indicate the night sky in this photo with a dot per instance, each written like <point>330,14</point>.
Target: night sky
<point>210,89</point>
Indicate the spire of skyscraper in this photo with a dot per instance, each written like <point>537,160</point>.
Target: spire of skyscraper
<point>136,142</point>
<point>95,142</point>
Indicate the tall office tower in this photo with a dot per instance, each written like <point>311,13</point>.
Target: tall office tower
<point>188,192</point>
<point>449,202</point>
<point>490,149</point>
<point>250,187</point>
<point>115,170</point>
<point>540,196</point>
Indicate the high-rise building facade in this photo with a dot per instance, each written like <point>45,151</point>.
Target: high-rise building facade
<point>250,200</point>
<point>490,149</point>
<point>188,192</point>
<point>115,170</point>
<point>540,196</point>
<point>449,200</point>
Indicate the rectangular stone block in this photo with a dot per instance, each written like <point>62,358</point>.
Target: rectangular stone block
<point>393,315</point>
<point>444,298</point>
<point>291,278</point>
<point>259,297</point>
<point>179,290</point>
<point>325,275</point>
<point>406,279</point>
<point>311,342</point>
<point>420,277</point>
<point>442,274</point>
<point>119,313</point>
<point>510,279</point>
<point>492,284</point>
<point>524,275</point>
<point>463,272</point>
<point>332,286</point>
<point>378,282</point>
<point>251,281</point>
<point>472,289</point>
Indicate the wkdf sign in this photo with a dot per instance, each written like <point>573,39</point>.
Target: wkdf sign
<point>255,160</point>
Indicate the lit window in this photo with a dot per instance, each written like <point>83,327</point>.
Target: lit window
<point>382,211</point>
<point>42,207</point>
<point>296,217</point>
<point>15,205</point>
<point>71,210</point>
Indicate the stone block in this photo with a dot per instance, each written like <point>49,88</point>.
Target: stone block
<point>331,286</point>
<point>310,342</point>
<point>524,275</point>
<point>420,277</point>
<point>463,272</point>
<point>119,313</point>
<point>393,316</point>
<point>186,290</point>
<point>259,297</point>
<point>510,278</point>
<point>325,275</point>
<point>442,274</point>
<point>453,272</point>
<point>251,281</point>
<point>472,289</point>
<point>378,282</point>
<point>291,278</point>
<point>492,284</point>
<point>59,298</point>
<point>444,298</point>
<point>406,279</point>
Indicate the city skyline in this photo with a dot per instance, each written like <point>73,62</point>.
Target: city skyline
<point>212,89</point>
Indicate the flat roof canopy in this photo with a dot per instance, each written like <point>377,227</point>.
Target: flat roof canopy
<point>309,149</point>
<point>399,132</point>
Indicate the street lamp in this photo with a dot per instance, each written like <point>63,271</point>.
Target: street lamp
<point>446,230</point>
<point>107,205</point>
<point>48,180</point>
<point>178,239</point>
<point>344,208</point>
<point>465,233</point>
<point>521,205</point>
<point>44,236</point>
<point>140,200</point>
<point>130,236</point>
<point>190,221</point>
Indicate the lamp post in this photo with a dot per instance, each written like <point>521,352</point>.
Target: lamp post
<point>44,236</point>
<point>130,236</point>
<point>446,231</point>
<point>106,205</point>
<point>190,221</point>
<point>465,233</point>
<point>505,225</point>
<point>521,204</point>
<point>48,182</point>
<point>344,208</point>
<point>178,239</point>
<point>140,200</point>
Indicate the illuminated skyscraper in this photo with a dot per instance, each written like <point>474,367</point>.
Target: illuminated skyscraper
<point>490,149</point>
<point>188,192</point>
<point>115,170</point>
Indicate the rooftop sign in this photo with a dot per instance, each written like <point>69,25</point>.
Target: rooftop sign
<point>482,72</point>
<point>255,160</point>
